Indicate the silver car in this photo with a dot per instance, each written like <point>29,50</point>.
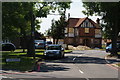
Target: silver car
<point>54,50</point>
<point>40,44</point>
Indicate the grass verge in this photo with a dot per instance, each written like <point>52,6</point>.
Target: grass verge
<point>26,63</point>
<point>67,51</point>
<point>118,64</point>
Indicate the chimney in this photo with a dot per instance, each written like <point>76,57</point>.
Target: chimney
<point>68,15</point>
<point>98,21</point>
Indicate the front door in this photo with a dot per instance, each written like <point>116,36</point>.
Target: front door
<point>86,42</point>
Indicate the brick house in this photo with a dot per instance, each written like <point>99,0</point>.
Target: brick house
<point>83,31</point>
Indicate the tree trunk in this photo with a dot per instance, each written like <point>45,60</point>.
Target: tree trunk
<point>31,45</point>
<point>24,44</point>
<point>30,51</point>
<point>53,40</point>
<point>57,41</point>
<point>114,45</point>
<point>114,39</point>
<point>23,50</point>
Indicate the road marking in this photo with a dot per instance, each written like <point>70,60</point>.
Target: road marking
<point>77,66</point>
<point>77,56</point>
<point>80,71</point>
<point>74,58</point>
<point>106,60</point>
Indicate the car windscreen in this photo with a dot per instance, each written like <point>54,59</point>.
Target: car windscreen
<point>54,48</point>
<point>49,42</point>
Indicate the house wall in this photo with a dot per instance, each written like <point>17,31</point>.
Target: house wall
<point>90,42</point>
<point>92,38</point>
<point>82,32</point>
<point>69,41</point>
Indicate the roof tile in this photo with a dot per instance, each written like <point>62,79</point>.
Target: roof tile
<point>76,22</point>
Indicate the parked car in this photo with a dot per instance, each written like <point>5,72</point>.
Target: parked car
<point>48,43</point>
<point>8,47</point>
<point>109,47</point>
<point>40,44</point>
<point>54,50</point>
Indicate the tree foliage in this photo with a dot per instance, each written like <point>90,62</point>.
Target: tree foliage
<point>16,16</point>
<point>18,19</point>
<point>110,12</point>
<point>57,29</point>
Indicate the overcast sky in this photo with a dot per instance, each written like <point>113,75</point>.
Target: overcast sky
<point>75,12</point>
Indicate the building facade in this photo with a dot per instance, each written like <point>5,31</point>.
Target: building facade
<point>83,31</point>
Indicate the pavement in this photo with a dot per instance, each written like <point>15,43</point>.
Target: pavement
<point>110,59</point>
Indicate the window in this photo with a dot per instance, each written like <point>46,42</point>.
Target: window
<point>86,30</point>
<point>81,41</point>
<point>87,24</point>
<point>66,30</point>
<point>71,30</point>
<point>97,31</point>
<point>97,41</point>
<point>76,32</point>
<point>92,41</point>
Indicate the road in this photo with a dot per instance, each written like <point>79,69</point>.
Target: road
<point>87,64</point>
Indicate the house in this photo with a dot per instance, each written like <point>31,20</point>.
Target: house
<point>83,31</point>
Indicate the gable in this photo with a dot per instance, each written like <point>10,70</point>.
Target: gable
<point>87,24</point>
<point>82,22</point>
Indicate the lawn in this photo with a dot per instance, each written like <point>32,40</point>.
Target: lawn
<point>67,51</point>
<point>25,63</point>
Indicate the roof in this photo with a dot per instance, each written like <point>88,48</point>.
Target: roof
<point>80,21</point>
<point>95,24</point>
<point>72,21</point>
<point>76,22</point>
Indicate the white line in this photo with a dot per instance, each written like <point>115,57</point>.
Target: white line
<point>81,71</point>
<point>74,58</point>
<point>106,60</point>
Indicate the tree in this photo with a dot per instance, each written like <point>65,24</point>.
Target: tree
<point>57,29</point>
<point>16,21</point>
<point>17,18</point>
<point>109,12</point>
<point>44,9</point>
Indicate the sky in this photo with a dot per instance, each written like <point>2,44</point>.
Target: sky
<point>75,11</point>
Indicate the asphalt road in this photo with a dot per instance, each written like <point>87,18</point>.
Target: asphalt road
<point>86,64</point>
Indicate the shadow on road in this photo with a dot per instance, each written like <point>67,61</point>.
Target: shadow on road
<point>57,68</point>
<point>53,67</point>
<point>83,60</point>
